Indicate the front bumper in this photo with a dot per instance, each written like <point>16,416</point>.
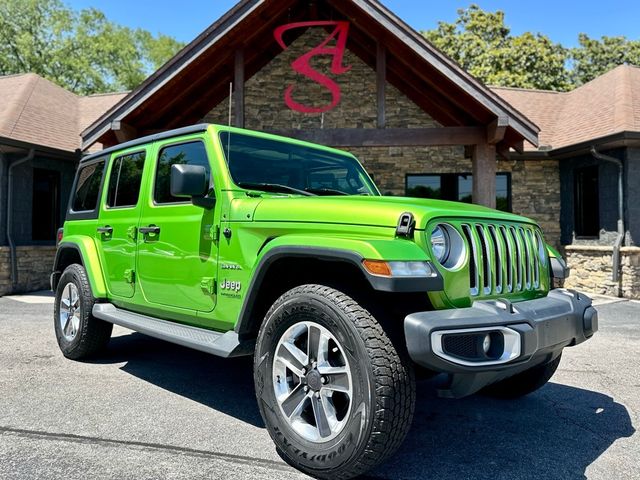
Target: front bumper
<point>522,335</point>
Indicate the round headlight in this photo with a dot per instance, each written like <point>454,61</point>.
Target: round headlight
<point>440,243</point>
<point>447,246</point>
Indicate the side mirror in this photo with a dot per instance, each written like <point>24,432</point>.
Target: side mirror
<point>190,181</point>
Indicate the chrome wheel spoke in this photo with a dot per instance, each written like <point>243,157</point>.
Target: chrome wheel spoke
<point>294,403</point>
<point>67,323</point>
<point>294,358</point>
<point>313,342</point>
<point>320,415</point>
<point>337,379</point>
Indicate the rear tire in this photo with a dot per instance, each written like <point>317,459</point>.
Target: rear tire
<point>324,431</point>
<point>78,332</point>
<point>524,383</point>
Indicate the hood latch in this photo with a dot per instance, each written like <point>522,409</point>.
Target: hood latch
<point>406,225</point>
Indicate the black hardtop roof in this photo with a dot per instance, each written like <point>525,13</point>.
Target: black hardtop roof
<point>200,127</point>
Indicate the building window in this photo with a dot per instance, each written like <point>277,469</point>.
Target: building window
<point>586,204</point>
<point>45,214</point>
<point>456,187</point>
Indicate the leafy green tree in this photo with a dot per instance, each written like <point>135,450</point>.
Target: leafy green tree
<point>594,57</point>
<point>483,45</point>
<point>82,51</point>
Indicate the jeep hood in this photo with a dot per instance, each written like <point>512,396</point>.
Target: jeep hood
<point>374,211</point>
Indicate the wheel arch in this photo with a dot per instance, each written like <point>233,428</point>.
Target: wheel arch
<point>81,250</point>
<point>285,266</point>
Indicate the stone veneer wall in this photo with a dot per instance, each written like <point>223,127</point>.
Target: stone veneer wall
<point>34,267</point>
<point>535,184</point>
<point>591,268</point>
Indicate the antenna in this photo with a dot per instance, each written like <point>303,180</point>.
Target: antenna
<point>229,124</point>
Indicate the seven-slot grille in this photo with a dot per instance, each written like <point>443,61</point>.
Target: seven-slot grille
<point>502,258</point>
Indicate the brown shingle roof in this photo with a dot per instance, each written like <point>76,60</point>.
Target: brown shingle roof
<point>35,110</point>
<point>606,105</point>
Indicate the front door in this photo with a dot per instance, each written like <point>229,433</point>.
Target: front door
<point>177,258</point>
<point>119,215</point>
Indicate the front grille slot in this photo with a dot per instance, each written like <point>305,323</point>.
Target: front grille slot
<point>486,260</point>
<point>473,260</point>
<point>502,258</point>
<point>497,257</point>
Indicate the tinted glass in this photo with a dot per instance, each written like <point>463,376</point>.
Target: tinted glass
<point>88,187</point>
<point>253,161</point>
<point>457,187</point>
<point>192,153</point>
<point>124,181</point>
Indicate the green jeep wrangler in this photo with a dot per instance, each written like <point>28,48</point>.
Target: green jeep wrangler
<point>236,242</point>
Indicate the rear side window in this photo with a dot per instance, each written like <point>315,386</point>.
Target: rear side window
<point>124,181</point>
<point>192,153</point>
<point>88,184</point>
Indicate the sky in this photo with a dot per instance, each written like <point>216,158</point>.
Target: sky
<point>561,20</point>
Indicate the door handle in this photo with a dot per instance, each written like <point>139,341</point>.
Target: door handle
<point>106,230</point>
<point>150,230</point>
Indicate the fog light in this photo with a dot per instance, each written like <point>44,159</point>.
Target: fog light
<point>486,343</point>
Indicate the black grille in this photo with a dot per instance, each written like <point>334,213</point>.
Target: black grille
<point>461,345</point>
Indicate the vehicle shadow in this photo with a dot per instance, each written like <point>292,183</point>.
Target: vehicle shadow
<point>554,433</point>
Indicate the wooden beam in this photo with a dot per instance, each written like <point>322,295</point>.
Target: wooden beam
<point>496,130</point>
<point>484,175</point>
<point>388,137</point>
<point>381,82</point>
<point>238,86</point>
<point>123,131</point>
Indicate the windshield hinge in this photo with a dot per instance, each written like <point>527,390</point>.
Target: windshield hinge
<point>406,225</point>
<point>208,284</point>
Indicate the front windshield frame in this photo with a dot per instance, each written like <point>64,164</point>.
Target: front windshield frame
<point>298,149</point>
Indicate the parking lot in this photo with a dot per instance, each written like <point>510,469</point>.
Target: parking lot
<point>147,410</point>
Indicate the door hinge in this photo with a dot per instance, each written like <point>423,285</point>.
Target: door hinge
<point>132,232</point>
<point>130,276</point>
<point>208,284</point>
<point>212,232</point>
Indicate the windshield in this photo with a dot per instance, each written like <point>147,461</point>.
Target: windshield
<point>270,165</point>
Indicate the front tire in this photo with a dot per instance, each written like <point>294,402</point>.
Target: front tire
<point>335,395</point>
<point>78,332</point>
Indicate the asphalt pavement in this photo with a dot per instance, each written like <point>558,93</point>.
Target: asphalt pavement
<point>146,409</point>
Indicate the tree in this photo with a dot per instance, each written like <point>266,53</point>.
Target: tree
<point>81,51</point>
<point>483,45</point>
<point>595,57</point>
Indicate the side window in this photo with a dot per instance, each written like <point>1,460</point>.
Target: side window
<point>192,153</point>
<point>124,181</point>
<point>88,184</point>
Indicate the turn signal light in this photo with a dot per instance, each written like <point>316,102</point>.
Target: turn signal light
<point>377,267</point>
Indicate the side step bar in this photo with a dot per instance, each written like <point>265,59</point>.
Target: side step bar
<point>221,344</point>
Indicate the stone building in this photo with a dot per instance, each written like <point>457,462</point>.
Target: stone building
<point>39,150</point>
<point>351,74</point>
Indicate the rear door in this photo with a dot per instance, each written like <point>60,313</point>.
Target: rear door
<point>177,258</point>
<point>116,231</point>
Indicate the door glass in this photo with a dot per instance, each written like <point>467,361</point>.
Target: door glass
<point>124,182</point>
<point>88,187</point>
<point>192,153</point>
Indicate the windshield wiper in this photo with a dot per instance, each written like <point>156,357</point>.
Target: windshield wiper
<point>274,187</point>
<point>326,190</point>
